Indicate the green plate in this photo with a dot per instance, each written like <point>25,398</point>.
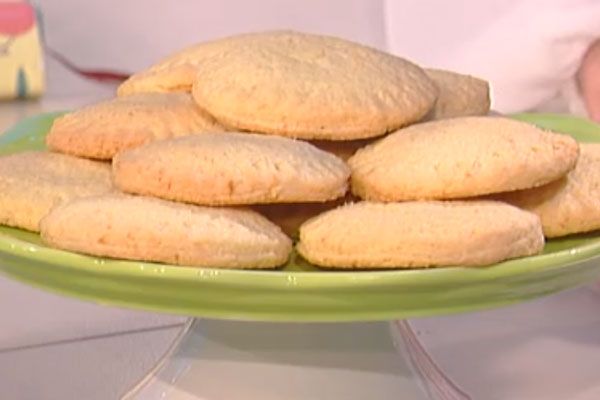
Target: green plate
<point>298,292</point>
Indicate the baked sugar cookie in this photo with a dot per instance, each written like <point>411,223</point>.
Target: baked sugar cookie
<point>343,149</point>
<point>101,130</point>
<point>459,95</point>
<point>177,72</point>
<point>232,168</point>
<point>290,216</point>
<point>460,157</point>
<point>420,234</point>
<point>148,229</point>
<point>312,87</point>
<point>165,77</point>
<point>33,182</point>
<point>569,205</point>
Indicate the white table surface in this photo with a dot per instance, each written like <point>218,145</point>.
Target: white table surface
<point>548,349</point>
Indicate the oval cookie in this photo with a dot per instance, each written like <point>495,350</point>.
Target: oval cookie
<point>101,130</point>
<point>460,157</point>
<point>458,95</point>
<point>147,229</point>
<point>312,87</point>
<point>569,205</point>
<point>177,72</point>
<point>290,216</point>
<point>420,234</point>
<point>232,168</point>
<point>33,182</point>
<point>343,149</point>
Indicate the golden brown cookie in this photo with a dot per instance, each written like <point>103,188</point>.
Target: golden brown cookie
<point>420,234</point>
<point>101,130</point>
<point>569,205</point>
<point>290,216</point>
<point>460,157</point>
<point>312,87</point>
<point>33,182</point>
<point>232,168</point>
<point>177,72</point>
<point>148,229</point>
<point>459,95</point>
<point>343,149</point>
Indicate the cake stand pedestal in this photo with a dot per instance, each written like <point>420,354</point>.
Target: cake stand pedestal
<point>216,359</point>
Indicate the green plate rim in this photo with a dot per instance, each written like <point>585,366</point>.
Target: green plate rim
<point>318,279</point>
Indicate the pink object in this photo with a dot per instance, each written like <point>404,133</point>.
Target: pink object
<point>16,18</point>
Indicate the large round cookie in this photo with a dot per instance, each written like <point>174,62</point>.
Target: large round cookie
<point>148,229</point>
<point>420,234</point>
<point>177,72</point>
<point>569,205</point>
<point>312,87</point>
<point>459,95</point>
<point>460,157</point>
<point>33,182</point>
<point>232,168</point>
<point>101,130</point>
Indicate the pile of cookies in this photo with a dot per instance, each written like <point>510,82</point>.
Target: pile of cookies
<point>220,154</point>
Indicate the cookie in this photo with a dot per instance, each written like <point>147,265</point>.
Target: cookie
<point>460,157</point>
<point>177,72</point>
<point>343,149</point>
<point>312,87</point>
<point>420,234</point>
<point>232,168</point>
<point>33,182</point>
<point>290,216</point>
<point>459,95</point>
<point>165,77</point>
<point>148,229</point>
<point>569,205</point>
<point>101,130</point>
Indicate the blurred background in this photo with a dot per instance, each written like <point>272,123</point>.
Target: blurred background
<point>533,52</point>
